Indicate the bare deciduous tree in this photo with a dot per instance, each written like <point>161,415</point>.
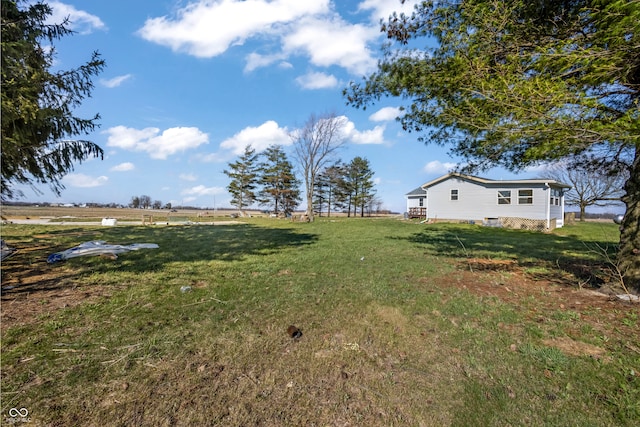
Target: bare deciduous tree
<point>589,187</point>
<point>315,144</point>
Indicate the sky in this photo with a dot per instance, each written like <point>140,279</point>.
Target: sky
<point>188,84</point>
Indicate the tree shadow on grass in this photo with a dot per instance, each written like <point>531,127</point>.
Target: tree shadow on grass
<point>28,270</point>
<point>587,261</point>
<point>208,243</point>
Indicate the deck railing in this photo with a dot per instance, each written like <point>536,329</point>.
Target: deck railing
<point>417,212</point>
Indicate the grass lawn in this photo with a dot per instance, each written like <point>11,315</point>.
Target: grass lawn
<point>403,324</point>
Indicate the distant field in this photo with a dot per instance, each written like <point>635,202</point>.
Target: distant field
<point>23,212</point>
<point>128,214</point>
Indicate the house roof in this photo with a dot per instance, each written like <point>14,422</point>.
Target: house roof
<point>485,181</point>
<point>417,192</point>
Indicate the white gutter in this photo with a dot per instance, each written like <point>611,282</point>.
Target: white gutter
<point>548,204</point>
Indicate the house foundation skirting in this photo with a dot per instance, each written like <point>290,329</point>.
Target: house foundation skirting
<point>506,222</point>
<point>527,224</point>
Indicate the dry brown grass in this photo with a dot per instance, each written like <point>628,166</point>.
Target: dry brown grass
<point>377,367</point>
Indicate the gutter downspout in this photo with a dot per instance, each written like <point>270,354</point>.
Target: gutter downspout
<point>548,203</point>
<point>426,204</point>
<point>562,203</point>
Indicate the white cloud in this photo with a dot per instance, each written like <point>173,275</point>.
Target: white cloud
<point>84,181</point>
<point>123,167</point>
<point>201,190</point>
<point>215,158</point>
<point>385,114</point>
<point>261,137</point>
<point>438,167</point>
<point>207,28</point>
<point>255,60</point>
<point>187,177</point>
<point>382,9</point>
<point>157,145</point>
<point>542,168</point>
<point>333,42</point>
<point>316,80</point>
<point>79,20</point>
<point>116,81</point>
<point>371,136</point>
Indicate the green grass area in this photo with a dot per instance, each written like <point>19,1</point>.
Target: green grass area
<point>386,339</point>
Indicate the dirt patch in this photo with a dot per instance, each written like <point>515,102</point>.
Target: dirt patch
<point>32,288</point>
<point>479,264</point>
<point>549,295</point>
<point>575,348</point>
<point>392,316</point>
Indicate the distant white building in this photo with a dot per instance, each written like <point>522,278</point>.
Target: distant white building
<point>524,203</point>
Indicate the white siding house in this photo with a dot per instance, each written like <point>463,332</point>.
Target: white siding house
<point>527,203</point>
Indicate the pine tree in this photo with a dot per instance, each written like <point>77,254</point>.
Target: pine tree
<point>244,179</point>
<point>328,190</point>
<point>280,187</point>
<point>38,125</point>
<point>360,177</point>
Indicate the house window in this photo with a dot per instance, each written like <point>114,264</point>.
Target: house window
<point>421,202</point>
<point>525,197</point>
<point>454,194</point>
<point>504,197</point>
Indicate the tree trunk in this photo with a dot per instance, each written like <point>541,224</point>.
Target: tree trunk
<point>629,253</point>
<point>309,184</point>
<point>310,217</point>
<point>583,212</point>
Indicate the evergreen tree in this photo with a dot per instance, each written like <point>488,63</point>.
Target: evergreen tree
<point>38,125</point>
<point>356,187</point>
<point>329,189</point>
<point>244,179</point>
<point>360,176</point>
<point>280,187</point>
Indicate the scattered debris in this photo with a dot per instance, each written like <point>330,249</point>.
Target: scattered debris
<point>628,297</point>
<point>97,247</point>
<point>6,251</point>
<point>184,289</point>
<point>109,221</point>
<point>294,332</point>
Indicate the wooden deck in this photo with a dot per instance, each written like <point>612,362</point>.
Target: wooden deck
<point>417,212</point>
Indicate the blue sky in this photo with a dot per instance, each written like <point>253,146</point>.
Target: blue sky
<point>189,83</point>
